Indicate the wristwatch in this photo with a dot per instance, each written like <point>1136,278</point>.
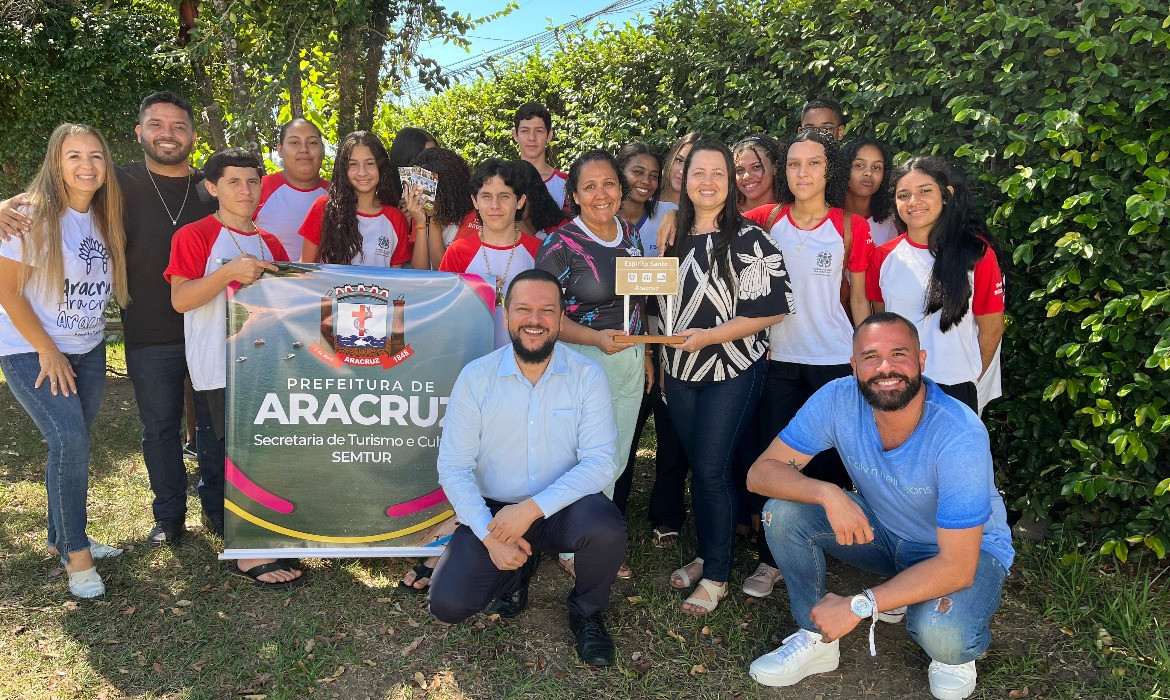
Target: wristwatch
<point>861,606</point>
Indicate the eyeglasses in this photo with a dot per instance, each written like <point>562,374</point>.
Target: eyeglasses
<point>826,130</point>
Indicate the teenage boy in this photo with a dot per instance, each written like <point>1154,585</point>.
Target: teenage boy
<point>199,281</point>
<point>286,196</point>
<point>532,130</point>
<point>824,115</point>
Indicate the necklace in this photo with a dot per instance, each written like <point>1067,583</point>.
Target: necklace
<point>186,193</point>
<point>807,232</point>
<point>238,247</point>
<point>499,278</point>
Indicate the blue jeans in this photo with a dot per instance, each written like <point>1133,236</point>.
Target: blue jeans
<point>157,373</point>
<point>710,417</point>
<point>799,535</point>
<point>65,422</point>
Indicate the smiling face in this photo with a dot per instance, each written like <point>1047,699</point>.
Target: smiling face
<point>166,134</point>
<point>83,168</point>
<point>920,202</point>
<point>753,177</point>
<point>362,170</point>
<point>599,193</point>
<point>807,170</point>
<point>533,316</point>
<point>497,205</point>
<point>642,173</point>
<point>866,171</point>
<point>887,364</point>
<point>707,181</point>
<point>302,152</point>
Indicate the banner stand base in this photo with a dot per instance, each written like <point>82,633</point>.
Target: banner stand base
<point>330,553</point>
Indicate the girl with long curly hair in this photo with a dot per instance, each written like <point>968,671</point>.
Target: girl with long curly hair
<point>453,214</point>
<point>357,222</point>
<point>54,286</point>
<point>868,195</point>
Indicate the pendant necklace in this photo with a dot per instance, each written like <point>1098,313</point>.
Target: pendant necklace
<point>499,278</point>
<point>238,247</point>
<point>174,218</point>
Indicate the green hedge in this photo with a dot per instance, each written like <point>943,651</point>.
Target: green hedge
<point>68,61</point>
<point>1060,112</point>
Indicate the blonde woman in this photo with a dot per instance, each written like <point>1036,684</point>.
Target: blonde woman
<point>54,286</point>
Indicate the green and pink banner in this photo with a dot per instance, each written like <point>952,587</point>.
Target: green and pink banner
<point>338,380</point>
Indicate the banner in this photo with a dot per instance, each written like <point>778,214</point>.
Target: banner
<point>338,380</point>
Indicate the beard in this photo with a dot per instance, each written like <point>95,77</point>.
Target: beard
<point>180,155</point>
<point>536,355</point>
<point>890,400</point>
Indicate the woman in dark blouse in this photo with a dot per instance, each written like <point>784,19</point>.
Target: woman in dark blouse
<point>732,286</point>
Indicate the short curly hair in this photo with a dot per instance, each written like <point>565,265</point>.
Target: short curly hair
<point>837,173</point>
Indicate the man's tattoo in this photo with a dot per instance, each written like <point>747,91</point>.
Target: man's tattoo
<point>794,464</point>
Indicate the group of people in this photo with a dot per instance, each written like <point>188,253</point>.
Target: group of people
<point>836,321</point>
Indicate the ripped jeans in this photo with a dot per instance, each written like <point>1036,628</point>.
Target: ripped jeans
<point>953,629</point>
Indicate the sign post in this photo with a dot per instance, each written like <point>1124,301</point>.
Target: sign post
<point>650,277</point>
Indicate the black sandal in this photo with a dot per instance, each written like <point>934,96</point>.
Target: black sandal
<point>421,571</point>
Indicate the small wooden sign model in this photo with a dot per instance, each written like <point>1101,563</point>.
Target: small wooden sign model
<point>649,277</point>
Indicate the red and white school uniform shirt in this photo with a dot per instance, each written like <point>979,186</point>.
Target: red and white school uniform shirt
<point>72,315</point>
<point>385,235</point>
<point>196,252</point>
<point>469,226</point>
<point>283,208</point>
<point>899,273</point>
<point>818,331</point>
<point>472,256</point>
<point>555,184</point>
<point>881,232</point>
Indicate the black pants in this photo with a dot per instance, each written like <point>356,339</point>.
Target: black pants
<point>966,392</point>
<point>466,581</point>
<point>787,387</point>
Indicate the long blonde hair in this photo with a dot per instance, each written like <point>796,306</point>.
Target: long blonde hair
<point>49,199</point>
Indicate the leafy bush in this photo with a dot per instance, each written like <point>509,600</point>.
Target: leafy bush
<point>1059,111</point>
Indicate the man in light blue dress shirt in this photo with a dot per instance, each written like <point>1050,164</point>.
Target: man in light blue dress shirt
<point>528,445</point>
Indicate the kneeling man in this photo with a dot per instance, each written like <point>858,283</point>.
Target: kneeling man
<point>926,514</point>
<point>528,445</point>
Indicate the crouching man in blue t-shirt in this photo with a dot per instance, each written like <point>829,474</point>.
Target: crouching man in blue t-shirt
<point>926,514</point>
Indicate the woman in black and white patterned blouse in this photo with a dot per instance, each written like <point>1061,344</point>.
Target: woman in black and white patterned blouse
<point>732,286</point>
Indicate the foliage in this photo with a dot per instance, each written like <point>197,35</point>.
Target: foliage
<point>1059,111</point>
<point>69,61</point>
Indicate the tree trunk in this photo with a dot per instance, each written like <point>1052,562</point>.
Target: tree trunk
<point>375,50</point>
<point>347,81</point>
<point>292,80</point>
<point>241,97</point>
<point>212,110</point>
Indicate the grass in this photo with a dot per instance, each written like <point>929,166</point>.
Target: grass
<point>176,624</point>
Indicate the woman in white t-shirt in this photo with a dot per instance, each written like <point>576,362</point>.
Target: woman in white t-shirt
<point>868,195</point>
<point>942,275</point>
<point>54,287</point>
<point>827,252</point>
<point>357,222</point>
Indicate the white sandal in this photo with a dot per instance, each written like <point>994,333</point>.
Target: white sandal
<point>761,583</point>
<point>715,593</point>
<point>684,576</point>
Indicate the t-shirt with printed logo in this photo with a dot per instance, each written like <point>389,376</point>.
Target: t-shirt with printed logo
<point>385,235</point>
<point>197,251</point>
<point>818,331</point>
<point>71,315</point>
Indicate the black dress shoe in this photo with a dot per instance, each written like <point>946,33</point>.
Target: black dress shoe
<point>166,532</point>
<point>514,603</point>
<point>212,522</point>
<point>594,645</point>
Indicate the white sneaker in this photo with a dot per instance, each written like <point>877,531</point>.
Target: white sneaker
<point>97,550</point>
<point>949,682</point>
<point>761,583</point>
<point>801,655</point>
<point>893,616</point>
<point>86,584</point>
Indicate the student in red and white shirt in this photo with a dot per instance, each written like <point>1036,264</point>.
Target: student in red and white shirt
<point>356,223</point>
<point>943,275</point>
<point>532,130</point>
<point>199,282</point>
<point>869,193</point>
<point>500,249</point>
<point>811,346</point>
<point>452,215</point>
<point>287,196</point>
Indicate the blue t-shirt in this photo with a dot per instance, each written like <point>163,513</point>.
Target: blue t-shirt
<point>941,477</point>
